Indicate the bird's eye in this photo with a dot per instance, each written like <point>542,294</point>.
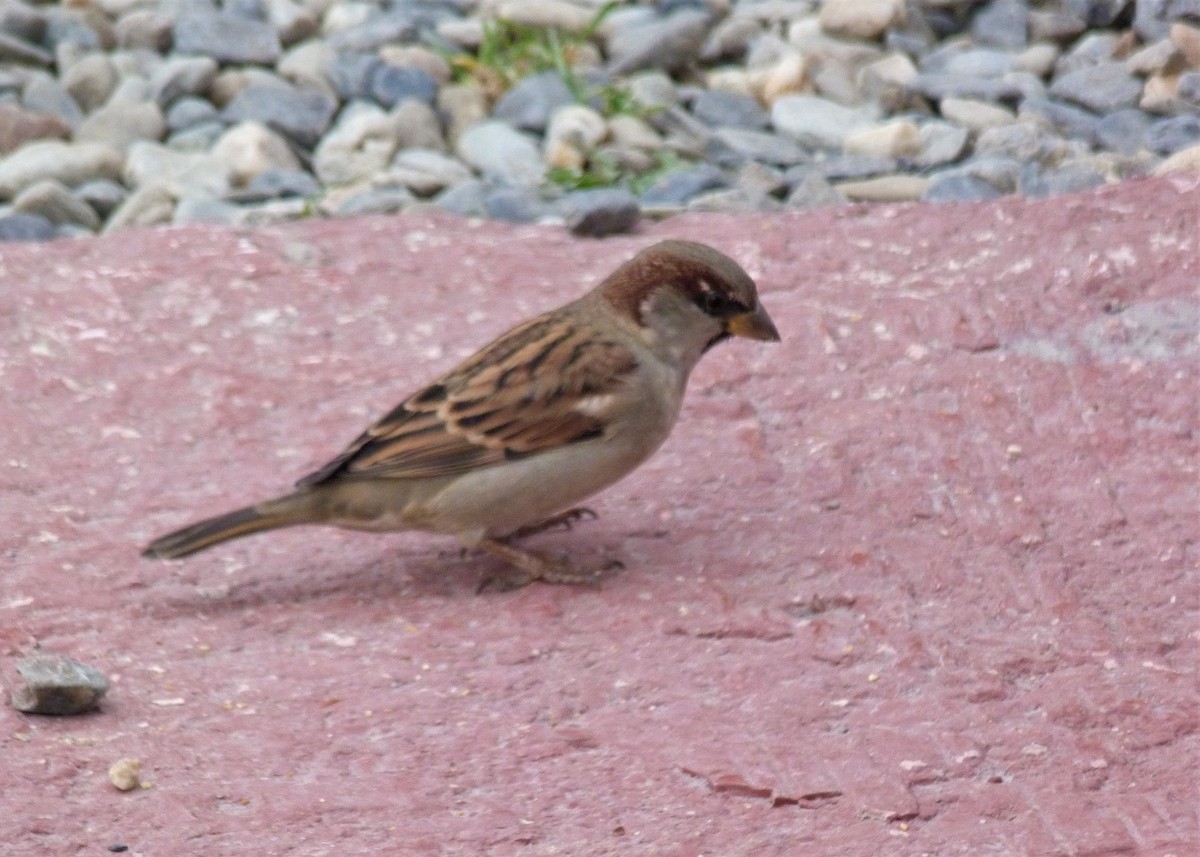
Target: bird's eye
<point>716,304</point>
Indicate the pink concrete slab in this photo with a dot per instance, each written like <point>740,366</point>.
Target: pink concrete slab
<point>921,579</point>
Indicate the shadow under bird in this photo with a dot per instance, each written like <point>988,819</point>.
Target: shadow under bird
<point>558,408</point>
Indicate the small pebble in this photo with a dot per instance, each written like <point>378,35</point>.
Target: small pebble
<point>55,684</point>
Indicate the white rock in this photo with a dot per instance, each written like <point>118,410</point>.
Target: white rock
<point>181,173</point>
<point>860,19</point>
<point>501,153</point>
<point>121,123</point>
<point>250,149</point>
<point>633,133</point>
<point>358,147</point>
<point>1185,160</point>
<point>291,22</point>
<point>343,16</point>
<point>426,171</point>
<point>894,188</point>
<point>573,132</point>
<point>975,115</point>
<point>788,75</point>
<point>898,139</point>
<point>52,200</point>
<point>464,105</point>
<point>1038,59</point>
<point>814,121</point>
<point>420,126</point>
<point>71,164</point>
<point>305,64</point>
<point>149,205</point>
<point>558,14</point>
<point>886,81</point>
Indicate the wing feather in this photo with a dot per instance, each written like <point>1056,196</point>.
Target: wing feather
<point>527,392</point>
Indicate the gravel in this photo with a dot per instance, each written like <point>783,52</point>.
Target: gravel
<point>140,112</point>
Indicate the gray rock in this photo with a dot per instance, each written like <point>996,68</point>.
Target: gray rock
<point>426,171</point>
<point>727,109</point>
<point>676,188</point>
<point>1068,120</point>
<point>1123,132</point>
<point>1102,88</point>
<point>1002,24</point>
<point>1188,89</point>
<point>1097,13</point>
<point>276,184</point>
<point>1167,136</point>
<point>53,159</point>
<point>977,62</point>
<point>58,685</point>
<point>388,200</point>
<point>819,122</point>
<point>600,212</point>
<point>1022,141</point>
<point>18,50</point>
<point>396,27</point>
<point>178,77</point>
<point>52,200</point>
<point>939,86</point>
<point>228,39</point>
<point>1053,24</point>
<point>189,112</point>
<point>850,166</point>
<point>1071,178</point>
<point>44,94</point>
<point>1152,19</point>
<point>350,74</point>
<point>759,146</point>
<point>994,169</point>
<point>102,195</point>
<point>958,187</point>
<point>25,227</point>
<point>667,43</point>
<point>941,143</point>
<point>812,191</point>
<point>529,105</point>
<point>120,124</point>
<point>198,138</point>
<point>303,115</point>
<point>67,29</point>
<point>24,21</point>
<point>205,209</point>
<point>466,199</point>
<point>501,153</point>
<point>390,85</point>
<point>513,205</point>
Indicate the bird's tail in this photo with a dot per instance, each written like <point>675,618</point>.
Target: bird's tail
<point>284,511</point>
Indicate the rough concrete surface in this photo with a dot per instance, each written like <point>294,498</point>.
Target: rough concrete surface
<point>921,579</point>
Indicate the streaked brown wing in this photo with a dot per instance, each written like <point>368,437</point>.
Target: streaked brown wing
<point>532,389</point>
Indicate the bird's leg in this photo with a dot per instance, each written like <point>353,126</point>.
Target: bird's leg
<point>565,520</point>
<point>529,566</point>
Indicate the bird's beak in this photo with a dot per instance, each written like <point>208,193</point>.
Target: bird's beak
<point>753,325</point>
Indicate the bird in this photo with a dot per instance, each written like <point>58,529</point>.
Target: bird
<point>505,444</point>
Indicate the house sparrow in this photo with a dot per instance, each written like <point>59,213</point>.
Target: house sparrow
<point>548,414</point>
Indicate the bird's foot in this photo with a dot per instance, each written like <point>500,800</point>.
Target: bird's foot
<point>563,520</point>
<point>528,566</point>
